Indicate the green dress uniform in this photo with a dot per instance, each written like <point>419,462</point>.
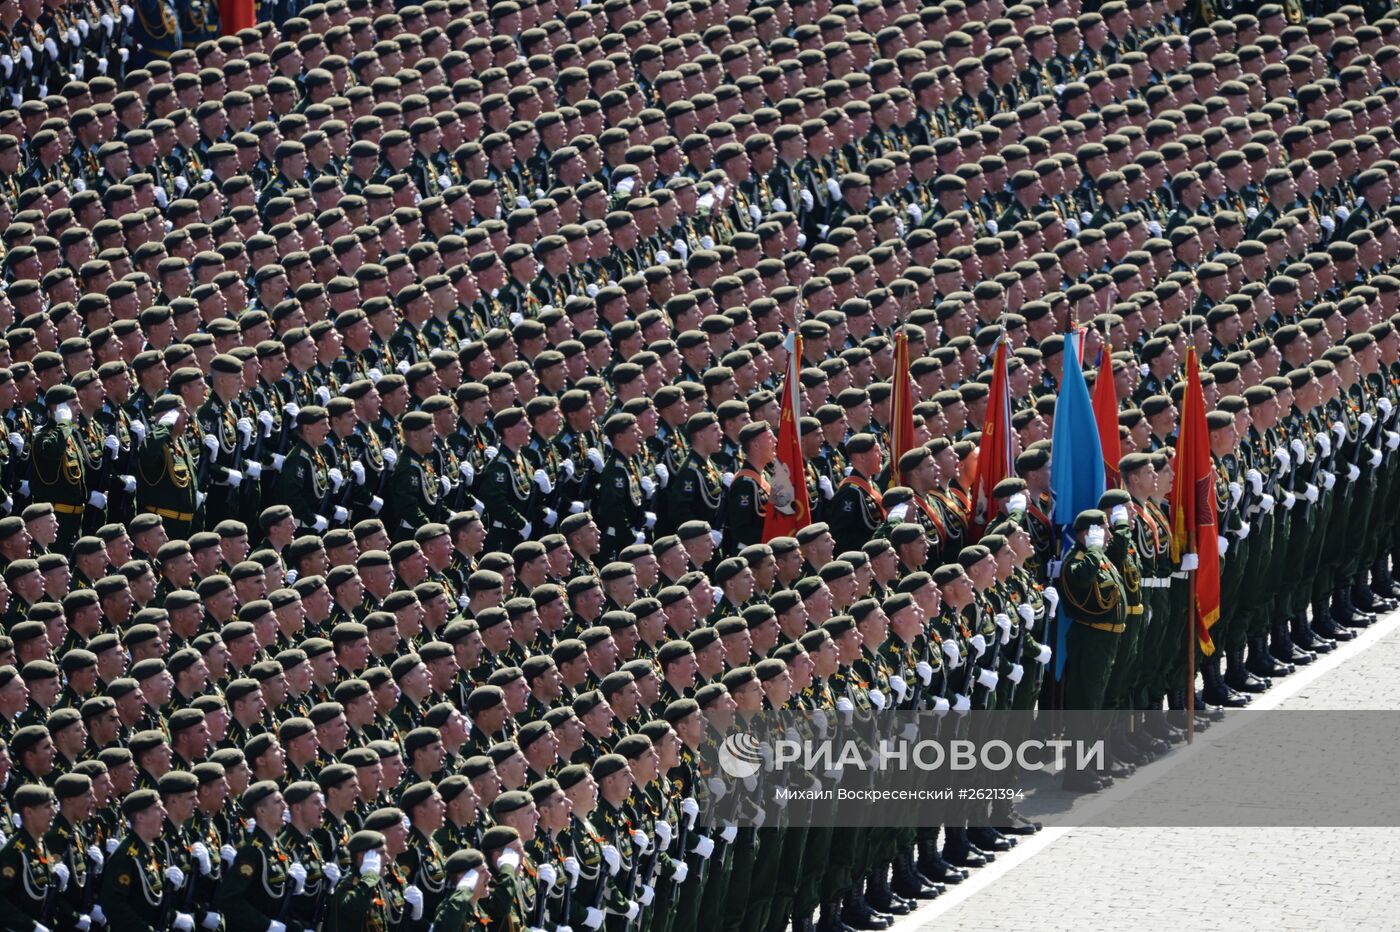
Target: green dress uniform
<point>133,888</point>
<point>745,507</point>
<point>58,474</point>
<point>27,882</point>
<point>856,512</point>
<point>582,840</point>
<point>165,480</point>
<point>506,491</point>
<point>511,903</point>
<point>425,866</point>
<point>303,482</point>
<point>219,421</point>
<point>67,844</point>
<point>416,493</point>
<point>258,887</point>
<point>1097,607</point>
<point>619,507</point>
<point>696,494</point>
<point>309,905</point>
<point>360,903</point>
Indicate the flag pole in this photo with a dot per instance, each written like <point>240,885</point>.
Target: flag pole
<point>1191,640</point>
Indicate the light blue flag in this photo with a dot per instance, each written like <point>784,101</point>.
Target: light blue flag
<point>1076,466</point>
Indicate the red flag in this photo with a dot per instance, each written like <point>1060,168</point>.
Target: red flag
<point>1192,502</point>
<point>236,14</point>
<point>996,459</point>
<point>901,407</point>
<point>1106,417</point>
<point>788,506</point>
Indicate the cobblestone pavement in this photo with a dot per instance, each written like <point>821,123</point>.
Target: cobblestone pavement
<point>1144,879</point>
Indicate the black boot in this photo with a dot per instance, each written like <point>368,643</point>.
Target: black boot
<point>958,849</point>
<point>1283,648</point>
<point>829,918</point>
<point>1308,639</point>
<point>858,914</point>
<point>935,867</point>
<point>1261,663</point>
<point>1382,583</point>
<point>1238,676</point>
<point>879,895</point>
<point>1352,615</point>
<point>1326,626</point>
<point>1216,691</point>
<point>908,883</point>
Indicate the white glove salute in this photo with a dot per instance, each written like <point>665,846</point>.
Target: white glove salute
<point>414,897</point>
<point>370,865</point>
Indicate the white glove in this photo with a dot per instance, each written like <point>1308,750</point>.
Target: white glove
<point>331,871</point>
<point>1190,562</point>
<point>1043,655</point>
<point>987,679</point>
<point>727,478</point>
<point>571,869</point>
<point>567,468</point>
<point>1339,430</point>
<point>370,865</point>
<point>527,530</point>
<point>901,688</point>
<point>357,469</point>
<point>94,854</point>
<point>1236,490</point>
<point>62,413</point>
<point>1266,504</point>
<point>950,650</point>
<point>112,846</point>
<point>298,875</point>
<point>1366,420</point>
<point>679,871</point>
<point>51,47</point>
<point>1375,458</point>
<point>806,198</point>
<point>323,394</point>
<point>1222,543</point>
<point>266,422</point>
<point>632,910</point>
<point>915,213</point>
<point>414,897</point>
<point>648,486</point>
<point>17,442</point>
<point>641,842</point>
<point>690,809</point>
<point>107,24</point>
<point>1256,481</point>
<point>26,56</point>
<point>595,459</point>
<point>1003,624</point>
<point>253,469</point>
<point>704,847</point>
<point>113,445</point>
<point>211,443</point>
<point>139,429</point>
<point>1327,223</point>
<point>1310,493</point>
<point>1118,513</point>
<point>1244,530</point>
<point>978,645</point>
<point>97,500</point>
<point>211,921</point>
<point>1017,671</point>
<point>731,832</point>
<point>1385,406</point>
<point>184,922</point>
<point>1072,226</point>
<point>1052,598</point>
<point>84,922</point>
<point>234,479</point>
<point>877,699</point>
<point>924,672</point>
<point>547,876</point>
<point>1026,612</point>
<point>833,187</point>
<point>717,537</point>
<point>824,483</point>
<point>1251,212</point>
<point>844,705</point>
<point>575,507</point>
<point>612,859</point>
<point>200,853</point>
<point>663,475</point>
<point>98,916</point>
<point>336,476</point>
<point>663,835</point>
<point>542,481</point>
<point>60,871</point>
<point>245,429</point>
<point>1284,460</point>
<point>445,484</point>
<point>1353,473</point>
<point>1017,502</point>
<point>320,524</point>
<point>593,918</point>
<point>391,456</point>
<point>1392,440</point>
<point>1299,451</point>
<point>962,704</point>
<point>648,893</point>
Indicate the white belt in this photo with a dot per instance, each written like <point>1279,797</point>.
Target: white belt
<point>1156,583</point>
<point>1179,574</point>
